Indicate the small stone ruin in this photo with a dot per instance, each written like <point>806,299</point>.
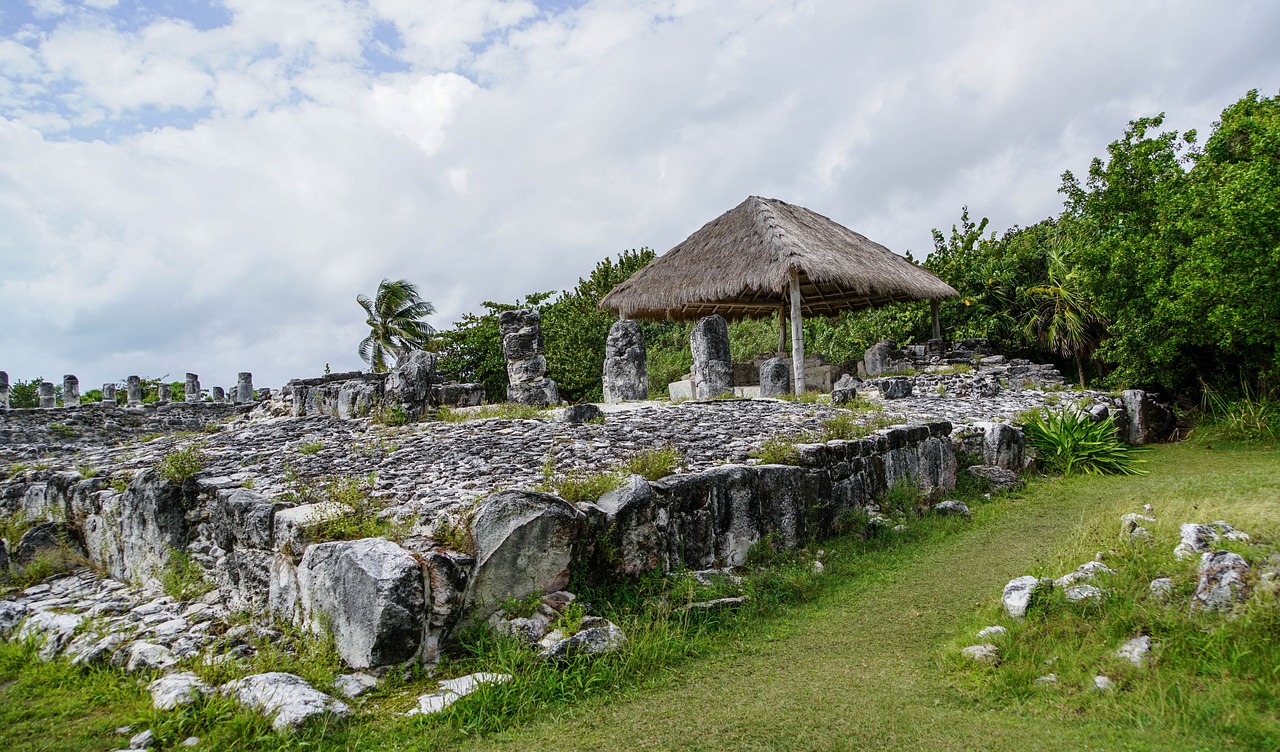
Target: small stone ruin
<point>526,365</point>
<point>626,369</point>
<point>712,362</point>
<point>412,388</point>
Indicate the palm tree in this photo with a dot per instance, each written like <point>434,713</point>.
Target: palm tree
<point>396,323</point>
<point>1064,320</point>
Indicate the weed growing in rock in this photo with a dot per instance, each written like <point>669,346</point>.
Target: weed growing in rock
<point>119,485</point>
<point>182,578</point>
<point>504,411</point>
<point>62,430</point>
<point>310,447</point>
<point>87,472</point>
<point>903,497</point>
<point>362,521</point>
<point>390,415</point>
<point>181,464</point>
<point>1068,442</point>
<point>849,425</point>
<point>653,464</point>
<point>212,427</point>
<point>455,536</point>
<point>958,368</point>
<point>14,526</point>
<point>778,450</point>
<point>521,608</point>
<point>576,487</point>
<point>807,397</point>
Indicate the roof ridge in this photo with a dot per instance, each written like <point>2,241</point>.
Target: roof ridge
<point>770,223</point>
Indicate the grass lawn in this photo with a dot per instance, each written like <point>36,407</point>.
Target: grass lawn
<point>866,664</point>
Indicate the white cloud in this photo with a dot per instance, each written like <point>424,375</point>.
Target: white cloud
<point>521,147</point>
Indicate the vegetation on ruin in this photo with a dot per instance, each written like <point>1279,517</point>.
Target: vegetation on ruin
<point>653,464</point>
<point>501,410</point>
<point>363,518</point>
<point>854,643</point>
<point>182,578</point>
<point>180,464</point>
<point>1069,441</point>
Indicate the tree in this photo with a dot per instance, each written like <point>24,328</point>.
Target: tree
<point>1063,320</point>
<point>396,316</point>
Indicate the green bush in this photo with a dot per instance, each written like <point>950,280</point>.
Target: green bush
<point>653,464</point>
<point>1070,442</point>
<point>778,450</point>
<point>181,464</point>
<point>1251,417</point>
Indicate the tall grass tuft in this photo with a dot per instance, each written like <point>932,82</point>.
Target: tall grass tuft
<point>1251,417</point>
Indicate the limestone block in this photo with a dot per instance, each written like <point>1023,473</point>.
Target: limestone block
<point>369,594</point>
<point>632,514</point>
<point>542,393</point>
<point>527,370</point>
<point>109,394</point>
<point>524,543</point>
<point>680,390</point>
<point>596,636</point>
<point>712,362</point>
<point>174,690</point>
<point>287,698</point>
<point>4,390</point>
<point>892,389</point>
<point>845,390</point>
<point>877,359</point>
<point>577,414</point>
<point>70,391</point>
<point>134,387</point>
<point>1195,539</point>
<point>409,383</point>
<point>1019,592</point>
<point>219,395</point>
<point>1147,421</point>
<point>521,334</point>
<point>244,387</point>
<point>626,370</point>
<point>1223,582</point>
<point>775,378</point>
<point>458,395</point>
<point>47,397</point>
<point>1003,446</point>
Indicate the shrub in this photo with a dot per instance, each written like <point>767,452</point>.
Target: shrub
<point>181,464</point>
<point>1068,442</point>
<point>778,450</point>
<point>311,447</point>
<point>652,464</point>
<point>576,487</point>
<point>1251,417</point>
<point>362,521</point>
<point>849,425</point>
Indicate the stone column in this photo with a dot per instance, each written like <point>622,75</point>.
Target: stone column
<point>264,395</point>
<point>47,398</point>
<point>244,387</point>
<point>70,391</point>
<point>775,378</point>
<point>109,393</point>
<point>712,363</point>
<point>164,392</point>
<point>219,395</point>
<point>4,390</point>
<point>526,365</point>
<point>626,370</point>
<point>133,387</point>
<point>191,390</point>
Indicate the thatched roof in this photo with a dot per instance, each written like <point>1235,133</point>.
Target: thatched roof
<point>739,265</point>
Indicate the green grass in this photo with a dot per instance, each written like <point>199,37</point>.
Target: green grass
<point>653,464</point>
<point>182,578</point>
<point>861,657</point>
<point>505,411</point>
<point>310,447</point>
<point>355,493</point>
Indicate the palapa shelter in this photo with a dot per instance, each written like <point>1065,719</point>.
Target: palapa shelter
<point>765,256</point>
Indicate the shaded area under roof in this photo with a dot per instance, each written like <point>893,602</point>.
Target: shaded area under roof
<point>739,266</point>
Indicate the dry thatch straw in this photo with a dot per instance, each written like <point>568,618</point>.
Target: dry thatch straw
<point>739,266</point>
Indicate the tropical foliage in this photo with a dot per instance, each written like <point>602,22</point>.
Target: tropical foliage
<point>1069,442</point>
<point>397,323</point>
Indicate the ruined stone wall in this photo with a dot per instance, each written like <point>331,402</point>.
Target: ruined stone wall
<point>35,433</point>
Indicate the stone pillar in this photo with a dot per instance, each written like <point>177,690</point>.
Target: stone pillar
<point>164,392</point>
<point>109,393</point>
<point>775,378</point>
<point>712,363</point>
<point>4,390</point>
<point>218,395</point>
<point>70,391</point>
<point>47,398</point>
<point>133,387</point>
<point>626,369</point>
<point>244,387</point>
<point>191,389</point>
<point>526,366</point>
<point>264,394</point>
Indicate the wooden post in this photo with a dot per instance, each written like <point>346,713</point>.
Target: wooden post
<point>782,331</point>
<point>937,326</point>
<point>797,334</point>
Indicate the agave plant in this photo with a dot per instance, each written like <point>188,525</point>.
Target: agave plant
<point>1069,442</point>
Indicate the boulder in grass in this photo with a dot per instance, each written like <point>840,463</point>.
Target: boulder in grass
<point>452,690</point>
<point>174,690</point>
<point>595,637</point>
<point>952,508</point>
<point>1196,539</point>
<point>1135,650</point>
<point>288,699</point>
<point>1020,592</point>
<point>1223,581</point>
<point>982,653</point>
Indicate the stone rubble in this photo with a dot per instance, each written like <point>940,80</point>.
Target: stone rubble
<point>287,698</point>
<point>1135,650</point>
<point>452,690</point>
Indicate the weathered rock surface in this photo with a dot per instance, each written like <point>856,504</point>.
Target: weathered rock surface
<point>1146,420</point>
<point>1019,593</point>
<point>775,378</point>
<point>952,508</point>
<point>595,637</point>
<point>845,390</point>
<point>352,686</point>
<point>982,653</point>
<point>452,690</point>
<point>287,698</point>
<point>894,388</point>
<point>524,543</point>
<point>626,369</point>
<point>1196,539</point>
<point>712,362</point>
<point>169,692</point>
<point>1135,650</point>
<point>369,593</point>
<point>993,631</point>
<point>1224,578</point>
<point>996,478</point>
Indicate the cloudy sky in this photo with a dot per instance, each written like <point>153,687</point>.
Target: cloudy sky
<point>206,186</point>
